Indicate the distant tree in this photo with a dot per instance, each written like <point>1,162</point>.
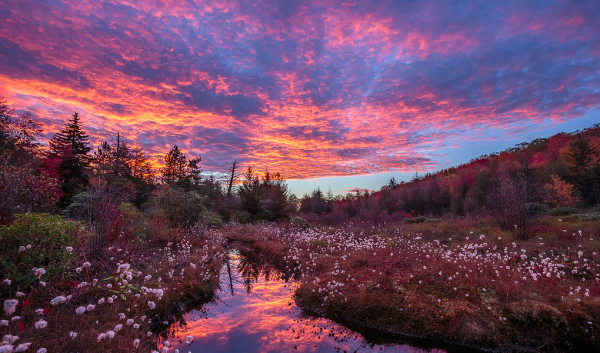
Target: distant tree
<point>560,193</point>
<point>509,203</point>
<point>114,159</point>
<point>580,158</point>
<point>233,176</point>
<point>140,166</point>
<point>181,170</point>
<point>18,136</point>
<point>249,193</point>
<point>580,155</point>
<point>72,140</point>
<point>316,203</point>
<point>266,197</point>
<point>70,159</point>
<point>275,196</point>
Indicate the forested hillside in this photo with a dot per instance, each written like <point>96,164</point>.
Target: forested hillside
<point>560,171</point>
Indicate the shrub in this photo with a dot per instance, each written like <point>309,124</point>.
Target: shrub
<point>181,208</point>
<point>243,217</point>
<point>537,209</point>
<point>24,190</point>
<point>299,223</point>
<point>36,240</point>
<point>412,220</point>
<point>509,203</point>
<point>135,222</point>
<point>563,211</point>
<point>212,220</point>
<point>588,216</point>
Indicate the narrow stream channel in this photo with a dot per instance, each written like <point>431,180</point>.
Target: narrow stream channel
<point>255,312</point>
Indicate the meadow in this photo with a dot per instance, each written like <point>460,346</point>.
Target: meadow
<point>464,281</point>
<point>459,281</point>
<point>62,296</point>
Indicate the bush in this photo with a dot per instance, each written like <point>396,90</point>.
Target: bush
<point>24,190</point>
<point>588,216</point>
<point>182,209</point>
<point>299,223</point>
<point>135,222</point>
<point>537,209</point>
<point>243,217</point>
<point>36,240</point>
<point>563,211</point>
<point>509,203</point>
<point>212,220</point>
<point>412,220</point>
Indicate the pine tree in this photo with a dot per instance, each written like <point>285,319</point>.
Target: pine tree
<point>69,156</point>
<point>178,169</point>
<point>175,162</point>
<point>72,140</point>
<point>580,158</point>
<point>141,167</point>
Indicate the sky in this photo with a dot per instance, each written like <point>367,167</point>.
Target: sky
<point>334,94</point>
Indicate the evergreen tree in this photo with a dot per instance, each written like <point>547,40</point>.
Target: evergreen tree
<point>580,158</point>
<point>178,169</point>
<point>114,159</point>
<point>140,166</point>
<point>69,157</point>
<point>72,140</point>
<point>249,193</point>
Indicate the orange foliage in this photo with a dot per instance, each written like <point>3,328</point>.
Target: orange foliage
<point>560,193</point>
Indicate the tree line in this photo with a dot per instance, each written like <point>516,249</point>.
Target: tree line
<point>71,177</point>
<point>556,174</point>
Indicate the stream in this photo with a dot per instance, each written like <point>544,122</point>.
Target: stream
<point>254,311</point>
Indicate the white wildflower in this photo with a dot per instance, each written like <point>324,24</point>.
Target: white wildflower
<point>22,347</point>
<point>39,272</point>
<point>41,324</point>
<point>10,306</point>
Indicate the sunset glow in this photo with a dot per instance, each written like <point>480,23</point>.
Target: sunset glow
<point>311,89</point>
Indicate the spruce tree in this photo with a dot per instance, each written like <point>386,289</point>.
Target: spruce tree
<point>69,152</point>
<point>71,140</point>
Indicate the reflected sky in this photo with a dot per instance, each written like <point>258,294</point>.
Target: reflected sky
<point>260,316</point>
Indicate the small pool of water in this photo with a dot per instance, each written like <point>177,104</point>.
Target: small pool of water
<point>255,312</point>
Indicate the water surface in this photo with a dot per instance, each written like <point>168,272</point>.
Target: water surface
<point>255,312</point>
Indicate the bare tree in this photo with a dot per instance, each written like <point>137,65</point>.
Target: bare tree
<point>509,204</point>
<point>232,178</point>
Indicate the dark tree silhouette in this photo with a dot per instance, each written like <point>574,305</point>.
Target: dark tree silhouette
<point>70,159</point>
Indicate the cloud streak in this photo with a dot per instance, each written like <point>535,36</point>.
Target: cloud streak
<point>308,88</point>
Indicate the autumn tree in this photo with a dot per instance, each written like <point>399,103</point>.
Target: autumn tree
<point>560,193</point>
<point>18,135</point>
<point>24,186</point>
